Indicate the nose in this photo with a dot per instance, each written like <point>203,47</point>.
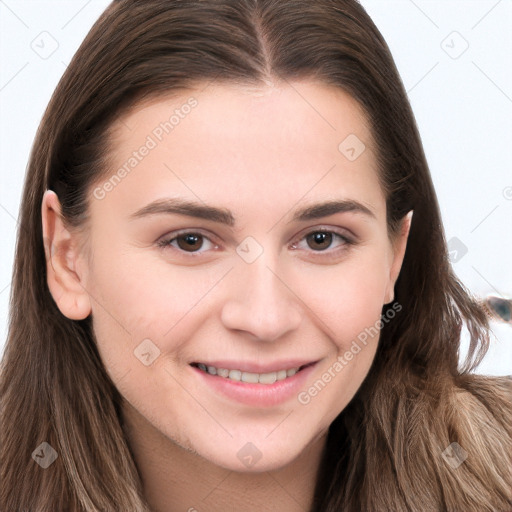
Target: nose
<point>261,302</point>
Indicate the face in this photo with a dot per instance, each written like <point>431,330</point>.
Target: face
<point>207,246</point>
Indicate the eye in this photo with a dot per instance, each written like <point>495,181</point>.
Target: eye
<point>318,241</point>
<point>187,241</point>
<point>321,239</point>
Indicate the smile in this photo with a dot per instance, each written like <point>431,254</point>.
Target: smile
<point>247,386</point>
<point>249,377</point>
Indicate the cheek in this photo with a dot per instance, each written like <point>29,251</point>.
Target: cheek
<point>139,299</point>
<point>347,301</point>
<point>347,297</point>
<point>145,295</point>
<point>348,308</point>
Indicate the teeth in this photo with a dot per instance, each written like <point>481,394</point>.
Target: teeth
<point>281,375</point>
<point>251,378</point>
<point>235,375</point>
<point>267,378</point>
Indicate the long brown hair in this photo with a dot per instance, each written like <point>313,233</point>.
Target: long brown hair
<point>384,450</point>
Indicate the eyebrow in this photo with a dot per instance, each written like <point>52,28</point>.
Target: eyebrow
<point>224,216</point>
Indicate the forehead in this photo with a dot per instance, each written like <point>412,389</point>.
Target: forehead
<point>319,108</point>
<point>228,143</point>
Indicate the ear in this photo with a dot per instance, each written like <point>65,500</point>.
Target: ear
<point>61,250</point>
<point>398,251</point>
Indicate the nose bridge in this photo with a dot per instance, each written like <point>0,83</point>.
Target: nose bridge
<point>262,302</point>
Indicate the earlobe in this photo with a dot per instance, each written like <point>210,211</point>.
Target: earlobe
<point>398,257</point>
<point>61,251</point>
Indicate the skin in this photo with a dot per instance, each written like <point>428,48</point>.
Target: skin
<point>261,153</point>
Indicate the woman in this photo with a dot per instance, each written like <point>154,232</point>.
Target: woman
<point>231,288</point>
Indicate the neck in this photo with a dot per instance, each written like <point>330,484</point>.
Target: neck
<point>176,479</point>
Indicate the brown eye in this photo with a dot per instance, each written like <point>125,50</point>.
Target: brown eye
<point>190,242</point>
<point>324,243</point>
<point>319,240</point>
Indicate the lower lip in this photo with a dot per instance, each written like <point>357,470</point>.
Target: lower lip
<point>258,395</point>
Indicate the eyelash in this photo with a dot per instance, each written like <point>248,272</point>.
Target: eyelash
<point>347,242</point>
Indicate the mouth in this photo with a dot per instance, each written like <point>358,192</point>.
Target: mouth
<point>237,375</point>
<point>254,384</point>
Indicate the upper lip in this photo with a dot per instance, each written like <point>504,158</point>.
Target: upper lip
<point>253,367</point>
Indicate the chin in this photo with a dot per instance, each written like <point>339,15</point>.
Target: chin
<point>248,457</point>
